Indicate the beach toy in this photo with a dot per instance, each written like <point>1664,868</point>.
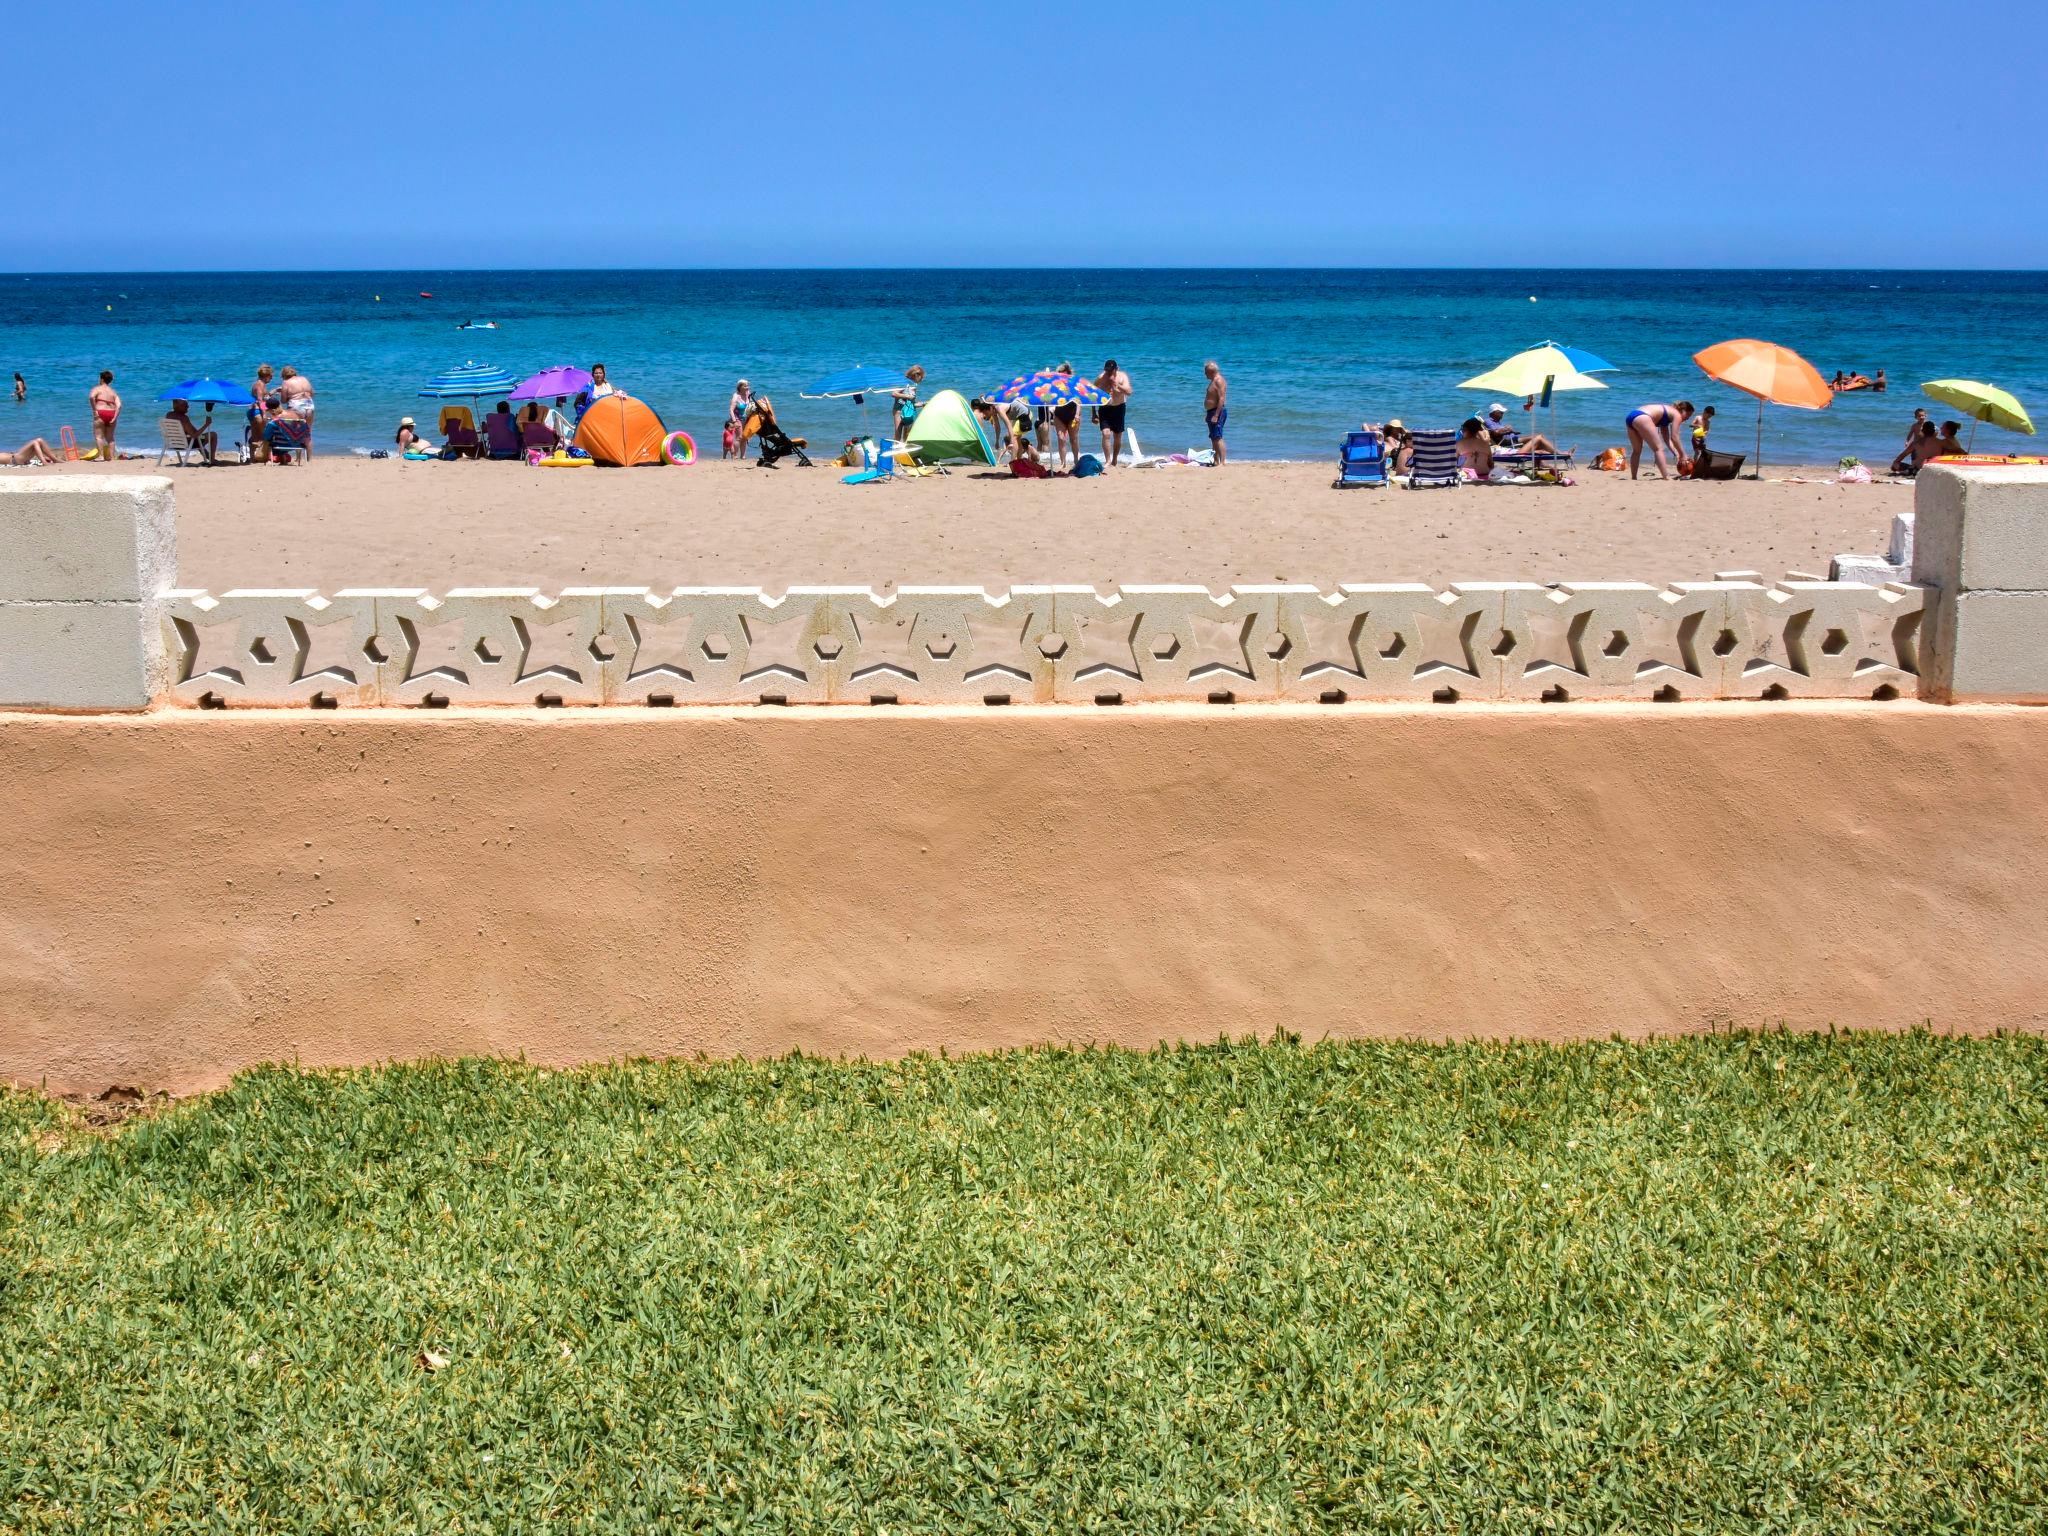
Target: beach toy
<point>67,443</point>
<point>563,461</point>
<point>1684,467</point>
<point>678,448</point>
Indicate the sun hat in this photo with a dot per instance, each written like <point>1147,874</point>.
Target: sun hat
<point>1496,409</point>
<point>1396,422</point>
<point>405,421</point>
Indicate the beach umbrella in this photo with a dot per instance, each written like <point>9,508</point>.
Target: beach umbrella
<point>471,382</point>
<point>1579,357</point>
<point>1541,370</point>
<point>856,384</point>
<point>562,379</point>
<point>1981,402</point>
<point>214,392</point>
<point>1775,375</point>
<point>1047,386</point>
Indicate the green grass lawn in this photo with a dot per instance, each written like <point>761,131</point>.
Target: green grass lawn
<point>1747,1284</point>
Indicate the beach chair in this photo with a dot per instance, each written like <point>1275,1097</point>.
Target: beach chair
<point>1362,460</point>
<point>537,435</point>
<point>882,465</point>
<point>290,441</point>
<point>1712,464</point>
<point>458,432</point>
<point>1523,459</point>
<point>501,435</point>
<point>176,442</point>
<point>1435,460</point>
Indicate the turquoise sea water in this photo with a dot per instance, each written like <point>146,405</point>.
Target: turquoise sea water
<point>1308,353</point>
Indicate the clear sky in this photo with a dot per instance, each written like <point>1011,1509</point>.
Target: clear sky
<point>937,133</point>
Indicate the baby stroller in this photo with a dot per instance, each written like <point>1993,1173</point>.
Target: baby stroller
<point>776,444</point>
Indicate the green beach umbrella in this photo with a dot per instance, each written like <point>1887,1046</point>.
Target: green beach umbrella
<point>946,431</point>
<point>1981,402</point>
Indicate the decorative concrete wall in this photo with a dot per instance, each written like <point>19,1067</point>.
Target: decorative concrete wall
<point>1070,644</point>
<point>182,894</point>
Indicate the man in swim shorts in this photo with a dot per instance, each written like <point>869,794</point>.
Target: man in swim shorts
<point>1116,384</point>
<point>106,413</point>
<point>1216,409</point>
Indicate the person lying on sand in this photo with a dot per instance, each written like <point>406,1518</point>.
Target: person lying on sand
<point>1504,436</point>
<point>34,451</point>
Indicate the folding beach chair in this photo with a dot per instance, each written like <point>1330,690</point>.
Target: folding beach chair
<point>176,442</point>
<point>1523,459</point>
<point>883,464</point>
<point>502,436</point>
<point>1434,461</point>
<point>458,431</point>
<point>536,436</point>
<point>1362,460</point>
<point>290,440</point>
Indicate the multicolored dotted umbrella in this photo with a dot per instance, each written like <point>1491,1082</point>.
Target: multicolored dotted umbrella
<point>1047,387</point>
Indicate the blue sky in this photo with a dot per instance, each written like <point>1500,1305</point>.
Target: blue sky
<point>789,133</point>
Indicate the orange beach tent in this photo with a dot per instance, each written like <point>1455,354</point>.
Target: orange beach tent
<point>621,430</point>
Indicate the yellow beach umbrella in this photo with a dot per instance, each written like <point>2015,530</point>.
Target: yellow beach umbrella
<point>1981,402</point>
<point>1526,373</point>
<point>1538,371</point>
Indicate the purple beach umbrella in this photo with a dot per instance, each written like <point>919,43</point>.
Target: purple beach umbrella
<point>549,382</point>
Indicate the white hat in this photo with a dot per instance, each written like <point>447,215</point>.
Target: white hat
<point>1496,409</point>
<point>405,421</point>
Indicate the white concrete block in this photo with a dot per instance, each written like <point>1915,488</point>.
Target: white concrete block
<point>1867,569</point>
<point>479,645</point>
<point>1986,647</point>
<point>1627,639</point>
<point>1982,529</point>
<point>79,539</point>
<point>724,645</point>
<point>929,645</point>
<point>271,647</point>
<point>82,656</point>
<point>1900,551</point>
<point>1165,643</point>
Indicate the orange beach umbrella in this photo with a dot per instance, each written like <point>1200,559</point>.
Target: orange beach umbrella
<point>1774,374</point>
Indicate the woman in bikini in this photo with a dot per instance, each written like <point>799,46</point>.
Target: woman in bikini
<point>1066,427</point>
<point>106,414</point>
<point>34,451</point>
<point>1656,427</point>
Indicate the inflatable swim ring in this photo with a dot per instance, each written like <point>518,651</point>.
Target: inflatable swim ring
<point>562,461</point>
<point>678,448</point>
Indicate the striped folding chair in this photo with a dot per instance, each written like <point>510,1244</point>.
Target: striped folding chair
<point>1435,460</point>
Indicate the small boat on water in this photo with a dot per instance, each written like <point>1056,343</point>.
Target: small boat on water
<point>477,325</point>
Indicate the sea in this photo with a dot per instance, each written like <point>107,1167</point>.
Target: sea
<point>1308,353</point>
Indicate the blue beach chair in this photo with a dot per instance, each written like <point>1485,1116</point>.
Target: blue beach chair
<point>1361,461</point>
<point>881,465</point>
<point>1435,460</point>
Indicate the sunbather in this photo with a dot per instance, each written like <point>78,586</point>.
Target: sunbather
<point>1475,449</point>
<point>1506,437</point>
<point>1903,459</point>
<point>1950,444</point>
<point>34,451</point>
<point>1398,446</point>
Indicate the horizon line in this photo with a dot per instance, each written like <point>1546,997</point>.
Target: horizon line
<point>1283,266</point>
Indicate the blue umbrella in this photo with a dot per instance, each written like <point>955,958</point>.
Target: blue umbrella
<point>469,382</point>
<point>852,383</point>
<point>209,392</point>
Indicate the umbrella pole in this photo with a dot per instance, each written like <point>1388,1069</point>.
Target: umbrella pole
<point>1973,434</point>
<point>1759,438</point>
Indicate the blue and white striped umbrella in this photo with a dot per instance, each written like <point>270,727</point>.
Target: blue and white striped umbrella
<point>469,382</point>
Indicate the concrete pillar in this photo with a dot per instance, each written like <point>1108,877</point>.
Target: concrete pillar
<point>1981,550</point>
<point>83,560</point>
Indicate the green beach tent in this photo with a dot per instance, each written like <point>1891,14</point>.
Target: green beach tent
<point>946,431</point>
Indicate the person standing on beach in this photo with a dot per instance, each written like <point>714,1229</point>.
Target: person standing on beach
<point>1216,409</point>
<point>106,414</point>
<point>1066,426</point>
<point>736,409</point>
<point>1116,384</point>
<point>904,408</point>
<point>297,390</point>
<point>1656,428</point>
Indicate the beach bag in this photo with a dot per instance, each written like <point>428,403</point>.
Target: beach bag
<point>1087,464</point>
<point>1610,459</point>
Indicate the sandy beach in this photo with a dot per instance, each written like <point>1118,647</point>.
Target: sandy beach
<point>342,522</point>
